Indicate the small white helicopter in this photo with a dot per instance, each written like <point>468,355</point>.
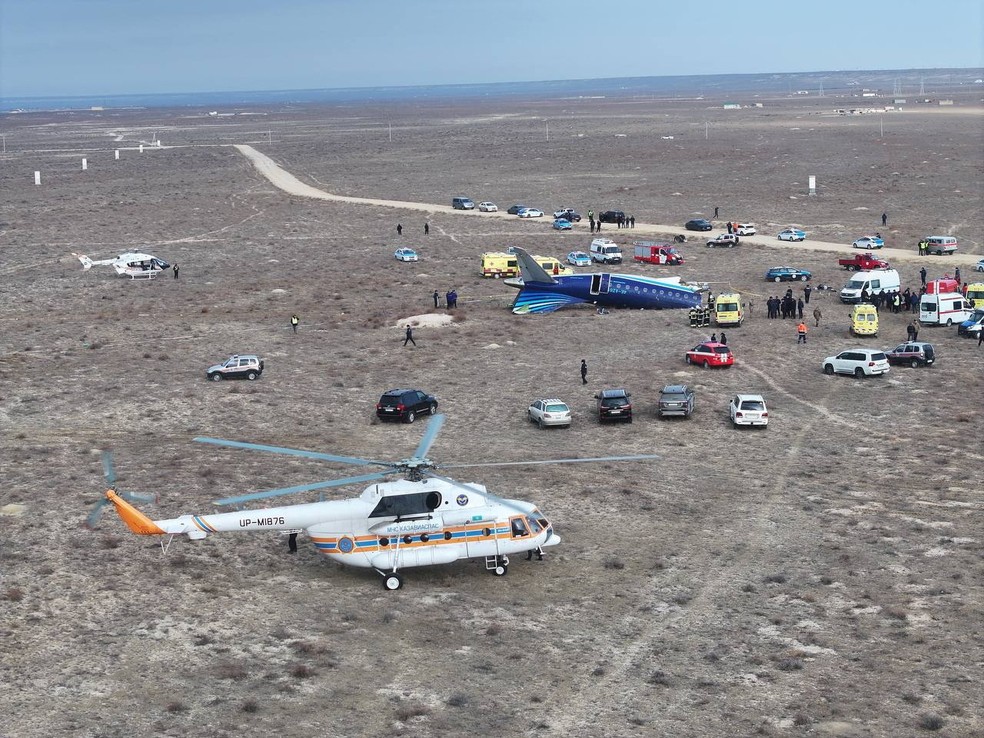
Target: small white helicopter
<point>130,264</point>
<point>421,520</point>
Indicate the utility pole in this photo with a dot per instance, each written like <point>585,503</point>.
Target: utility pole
<point>391,132</point>
<point>705,130</point>
<point>548,129</point>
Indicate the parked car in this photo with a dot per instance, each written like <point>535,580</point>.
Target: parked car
<point>980,266</point>
<point>550,412</point>
<point>973,326</point>
<point>579,258</point>
<point>568,214</point>
<point>698,224</point>
<point>788,274</point>
<point>488,207</point>
<point>530,213</point>
<point>611,216</point>
<point>860,362</point>
<point>869,242</point>
<point>792,234</point>
<point>710,353</point>
<point>405,254</point>
<point>745,229</point>
<point>675,399</point>
<point>462,203</point>
<point>238,366</point>
<point>562,225</point>
<point>726,240</point>
<point>514,210</point>
<point>749,410</point>
<point>912,353</point>
<point>614,404</point>
<point>405,405</point>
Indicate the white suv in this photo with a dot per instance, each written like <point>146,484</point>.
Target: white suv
<point>860,362</point>
<point>745,229</point>
<point>749,410</point>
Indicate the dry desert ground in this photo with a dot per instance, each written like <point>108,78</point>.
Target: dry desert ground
<point>820,577</point>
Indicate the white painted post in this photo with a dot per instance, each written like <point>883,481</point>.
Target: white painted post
<point>37,178</point>
<point>85,164</point>
<point>813,184</point>
<point>117,153</point>
<point>141,148</point>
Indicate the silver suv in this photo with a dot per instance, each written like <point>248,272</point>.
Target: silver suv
<point>238,366</point>
<point>675,399</point>
<point>861,362</point>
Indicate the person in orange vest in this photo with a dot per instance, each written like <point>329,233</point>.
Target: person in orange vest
<point>801,332</point>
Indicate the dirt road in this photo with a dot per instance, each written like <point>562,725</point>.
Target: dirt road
<point>287,182</point>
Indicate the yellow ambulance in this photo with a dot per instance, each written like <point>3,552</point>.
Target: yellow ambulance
<point>499,264</point>
<point>552,266</point>
<point>975,294</point>
<point>864,320</point>
<point>727,309</point>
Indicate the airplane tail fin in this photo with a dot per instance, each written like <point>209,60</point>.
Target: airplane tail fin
<point>135,520</point>
<point>86,261</point>
<point>530,270</point>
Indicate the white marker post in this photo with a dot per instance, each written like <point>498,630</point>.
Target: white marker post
<point>85,164</point>
<point>37,178</point>
<point>813,184</point>
<point>141,148</point>
<point>117,154</point>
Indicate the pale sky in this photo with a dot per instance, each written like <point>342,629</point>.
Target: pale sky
<point>109,47</point>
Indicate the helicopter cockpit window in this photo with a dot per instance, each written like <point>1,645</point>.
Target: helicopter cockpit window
<point>417,503</point>
<point>537,522</point>
<point>519,528</point>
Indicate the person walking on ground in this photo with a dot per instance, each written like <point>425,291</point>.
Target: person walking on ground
<point>909,331</point>
<point>632,222</point>
<point>399,229</point>
<point>292,543</point>
<point>427,228</point>
<point>817,315</point>
<point>714,338</point>
<point>437,299</point>
<point>584,372</point>
<point>799,307</point>
<point>591,223</point>
<point>294,320</point>
<point>448,300</point>
<point>956,274</point>
<point>915,330</point>
<point>715,212</point>
<point>801,332</point>
<point>884,219</point>
<point>730,227</point>
<point>175,270</point>
<point>454,298</point>
<point>806,294</point>
<point>724,338</point>
<point>922,275</point>
<point>409,337</point>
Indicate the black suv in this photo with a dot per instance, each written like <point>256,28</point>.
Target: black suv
<point>612,216</point>
<point>405,405</point>
<point>613,404</point>
<point>675,399</point>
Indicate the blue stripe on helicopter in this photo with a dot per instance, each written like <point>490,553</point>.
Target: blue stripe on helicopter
<point>200,522</point>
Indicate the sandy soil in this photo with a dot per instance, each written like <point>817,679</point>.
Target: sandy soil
<point>821,577</point>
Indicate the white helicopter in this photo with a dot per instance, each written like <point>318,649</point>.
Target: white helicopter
<point>130,264</point>
<point>421,520</point>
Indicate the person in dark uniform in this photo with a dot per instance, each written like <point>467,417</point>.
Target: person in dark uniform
<point>175,270</point>
<point>538,551</point>
<point>584,372</point>
<point>399,229</point>
<point>437,299</point>
<point>409,337</point>
<point>427,228</point>
<point>724,338</point>
<point>292,543</point>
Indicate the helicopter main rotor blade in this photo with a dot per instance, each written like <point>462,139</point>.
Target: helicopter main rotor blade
<point>433,428</point>
<point>108,471</point>
<point>303,488</point>
<point>641,457</point>
<point>294,452</point>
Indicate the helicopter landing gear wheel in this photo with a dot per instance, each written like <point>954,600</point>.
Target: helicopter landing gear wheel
<point>501,570</point>
<point>392,582</point>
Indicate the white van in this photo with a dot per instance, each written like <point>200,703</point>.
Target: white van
<point>946,308</point>
<point>875,281</point>
<point>605,251</point>
<point>940,245</point>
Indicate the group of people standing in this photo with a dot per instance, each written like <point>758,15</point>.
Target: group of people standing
<point>894,301</point>
<point>786,306</point>
<point>623,221</point>
<point>450,299</point>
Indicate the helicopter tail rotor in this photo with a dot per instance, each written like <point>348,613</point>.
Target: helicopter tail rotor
<point>109,472</point>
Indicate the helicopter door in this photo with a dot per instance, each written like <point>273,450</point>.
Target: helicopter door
<point>599,284</point>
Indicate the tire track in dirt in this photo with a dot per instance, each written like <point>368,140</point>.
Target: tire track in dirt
<point>613,694</point>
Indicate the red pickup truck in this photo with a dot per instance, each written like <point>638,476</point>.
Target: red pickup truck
<point>862,262</point>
